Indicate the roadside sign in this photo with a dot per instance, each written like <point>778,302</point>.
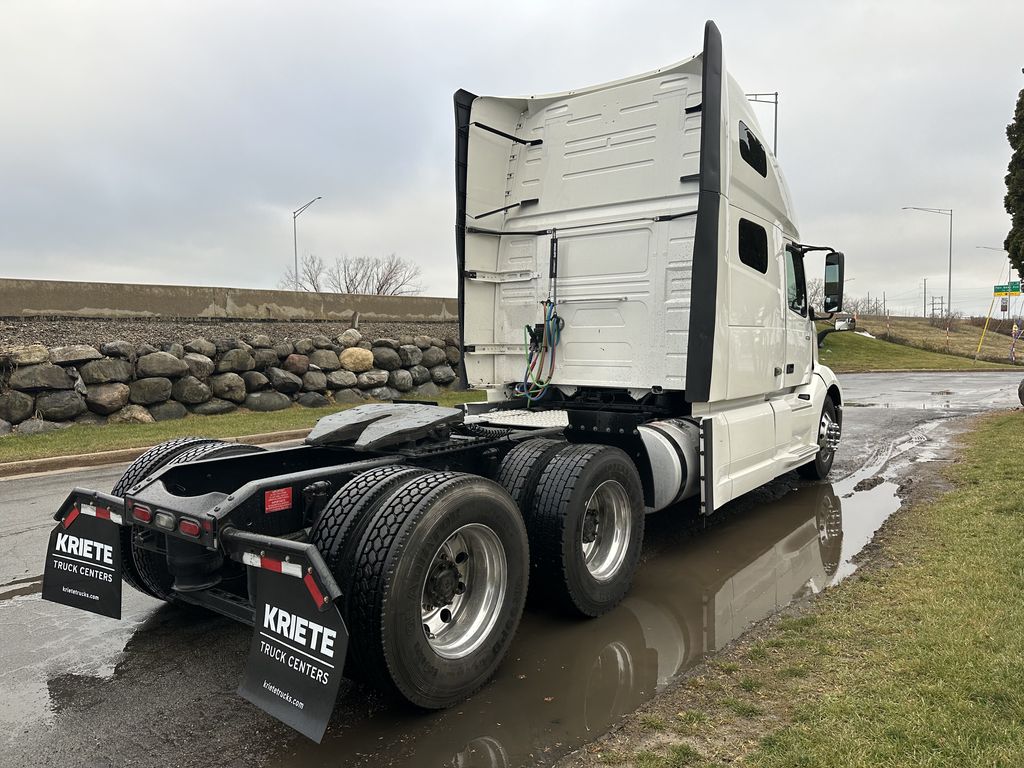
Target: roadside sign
<point>1004,304</point>
<point>1007,289</point>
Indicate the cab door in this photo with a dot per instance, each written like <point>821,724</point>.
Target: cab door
<point>799,329</point>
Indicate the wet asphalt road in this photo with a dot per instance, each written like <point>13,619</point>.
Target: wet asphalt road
<point>158,687</point>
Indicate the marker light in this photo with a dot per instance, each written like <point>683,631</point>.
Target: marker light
<point>142,514</point>
<point>188,527</point>
<point>164,520</point>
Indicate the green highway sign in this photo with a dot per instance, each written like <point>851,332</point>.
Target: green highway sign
<point>1007,289</point>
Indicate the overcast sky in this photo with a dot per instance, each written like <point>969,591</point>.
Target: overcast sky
<point>169,142</point>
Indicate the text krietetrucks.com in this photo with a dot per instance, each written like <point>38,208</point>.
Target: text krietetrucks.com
<point>283,695</point>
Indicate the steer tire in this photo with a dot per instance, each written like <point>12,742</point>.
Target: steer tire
<point>145,465</point>
<point>522,466</point>
<point>431,537</point>
<point>149,567</point>
<point>819,468</point>
<point>559,529</point>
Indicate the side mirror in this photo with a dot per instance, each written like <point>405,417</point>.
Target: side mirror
<point>834,276</point>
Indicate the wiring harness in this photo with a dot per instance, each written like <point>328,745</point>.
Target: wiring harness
<point>541,352</point>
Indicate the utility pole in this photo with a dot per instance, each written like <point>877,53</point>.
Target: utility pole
<point>924,300</point>
<point>884,312</point>
<point>942,212</point>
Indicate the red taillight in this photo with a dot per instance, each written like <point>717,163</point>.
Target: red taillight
<point>188,527</point>
<point>142,514</point>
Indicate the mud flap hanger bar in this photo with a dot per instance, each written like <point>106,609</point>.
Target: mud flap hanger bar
<point>92,503</point>
<point>284,556</point>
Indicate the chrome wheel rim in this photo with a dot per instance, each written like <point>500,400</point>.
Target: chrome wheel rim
<point>605,530</point>
<point>463,591</point>
<point>824,427</point>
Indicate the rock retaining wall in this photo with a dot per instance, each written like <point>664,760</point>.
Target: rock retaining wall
<point>46,388</point>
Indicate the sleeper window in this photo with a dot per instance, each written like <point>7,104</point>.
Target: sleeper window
<point>752,150</point>
<point>753,245</point>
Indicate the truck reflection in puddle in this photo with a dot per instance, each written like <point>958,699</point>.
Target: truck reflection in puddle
<point>566,682</point>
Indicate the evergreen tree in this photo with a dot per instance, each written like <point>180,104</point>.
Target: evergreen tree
<point>1014,243</point>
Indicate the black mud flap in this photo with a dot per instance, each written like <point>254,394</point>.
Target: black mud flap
<point>83,560</point>
<point>297,654</point>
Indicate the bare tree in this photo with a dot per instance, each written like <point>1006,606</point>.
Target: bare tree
<point>384,276</point>
<point>816,293</point>
<point>311,277</point>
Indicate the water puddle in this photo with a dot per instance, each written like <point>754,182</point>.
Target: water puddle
<point>566,682</point>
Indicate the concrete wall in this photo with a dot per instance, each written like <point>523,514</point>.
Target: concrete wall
<point>52,298</point>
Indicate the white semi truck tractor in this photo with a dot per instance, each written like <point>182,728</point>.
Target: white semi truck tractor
<point>631,296</point>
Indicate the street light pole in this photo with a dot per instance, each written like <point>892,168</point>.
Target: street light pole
<point>295,237</point>
<point>949,282</point>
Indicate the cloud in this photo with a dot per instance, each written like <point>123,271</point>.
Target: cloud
<point>170,142</point>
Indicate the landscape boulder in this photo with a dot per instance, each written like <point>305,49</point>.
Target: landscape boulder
<point>30,354</point>
<point>107,370</point>
<point>144,349</point>
<point>228,386</point>
<point>423,342</point>
<point>295,363</point>
<point>151,390</point>
<point>400,380</point>
<point>107,398</point>
<point>235,361</point>
<point>40,426</point>
<point>325,360</point>
<point>283,381</point>
<point>118,349</point>
<point>168,411</point>
<point>433,356</point>
<point>386,343</point>
<point>341,379</point>
<point>283,348</point>
<point>264,358</point>
<point>350,338</point>
<point>371,379</point>
<point>356,359</point>
<point>420,375</point>
<point>255,381</point>
<point>90,419</point>
<point>346,396</point>
<point>312,400</point>
<point>214,407</point>
<point>16,406</point>
<point>442,374</point>
<point>267,401</point>
<point>199,365</point>
<point>131,414</point>
<point>304,347</point>
<point>322,342</point>
<point>41,376</point>
<point>429,389</point>
<point>201,346</point>
<point>190,390</point>
<point>160,364</point>
<point>314,381</point>
<point>453,355</point>
<point>382,393</point>
<point>261,341</point>
<point>73,354</point>
<point>386,359</point>
<point>411,355</point>
<point>5,427</point>
<point>174,348</point>
<point>61,405</point>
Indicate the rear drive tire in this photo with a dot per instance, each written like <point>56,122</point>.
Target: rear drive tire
<point>339,528</point>
<point>586,529</point>
<point>822,464</point>
<point>522,467</point>
<point>145,465</point>
<point>149,567</point>
<point>439,588</point>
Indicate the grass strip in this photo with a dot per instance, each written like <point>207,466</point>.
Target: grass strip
<point>850,352</point>
<point>77,440</point>
<point>916,660</point>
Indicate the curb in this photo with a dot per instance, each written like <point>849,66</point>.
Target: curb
<point>31,466</point>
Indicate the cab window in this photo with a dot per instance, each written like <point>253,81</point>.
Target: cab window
<point>796,284</point>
